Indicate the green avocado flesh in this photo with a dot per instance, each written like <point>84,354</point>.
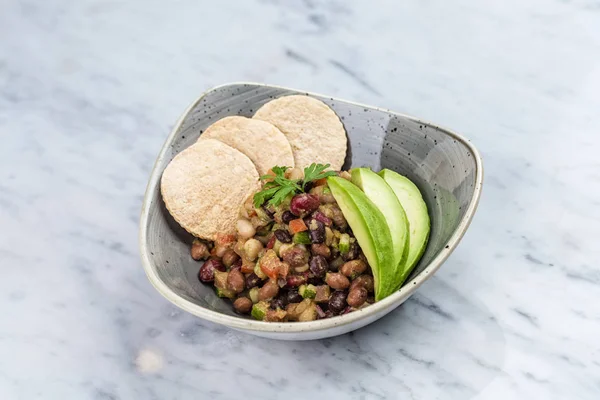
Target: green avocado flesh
<point>416,211</point>
<point>371,231</point>
<point>382,195</point>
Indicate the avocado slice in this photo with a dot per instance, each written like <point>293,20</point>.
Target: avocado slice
<point>416,211</point>
<point>371,232</point>
<point>384,198</point>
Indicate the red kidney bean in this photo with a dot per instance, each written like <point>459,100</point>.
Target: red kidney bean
<point>303,204</point>
<point>207,270</point>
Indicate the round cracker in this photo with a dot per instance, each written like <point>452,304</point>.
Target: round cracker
<point>260,141</point>
<point>314,131</point>
<point>204,186</point>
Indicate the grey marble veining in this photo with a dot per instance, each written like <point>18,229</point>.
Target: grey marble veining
<point>89,91</point>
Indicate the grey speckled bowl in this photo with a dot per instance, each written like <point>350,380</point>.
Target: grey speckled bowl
<point>445,166</point>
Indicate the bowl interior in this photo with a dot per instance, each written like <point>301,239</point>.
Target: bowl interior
<point>440,164</point>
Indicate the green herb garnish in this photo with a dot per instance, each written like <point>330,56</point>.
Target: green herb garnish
<point>279,187</point>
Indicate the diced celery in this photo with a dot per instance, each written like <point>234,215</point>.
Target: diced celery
<point>344,245</point>
<point>253,293</point>
<point>230,294</point>
<point>307,291</point>
<point>259,310</point>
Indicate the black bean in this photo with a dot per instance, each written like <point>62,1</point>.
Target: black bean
<point>294,297</point>
<point>337,301</point>
<point>336,264</point>
<point>277,303</point>
<point>252,280</point>
<point>318,266</point>
<point>267,210</point>
<point>315,281</point>
<point>283,236</point>
<point>316,231</point>
<point>287,216</point>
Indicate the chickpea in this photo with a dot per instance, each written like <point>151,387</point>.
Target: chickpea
<point>252,248</point>
<point>245,229</point>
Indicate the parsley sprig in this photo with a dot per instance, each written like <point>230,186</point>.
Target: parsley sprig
<point>279,187</point>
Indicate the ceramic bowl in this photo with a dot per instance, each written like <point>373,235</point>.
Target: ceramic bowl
<point>445,166</point>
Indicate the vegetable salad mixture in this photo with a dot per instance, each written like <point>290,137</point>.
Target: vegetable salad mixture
<point>294,257</point>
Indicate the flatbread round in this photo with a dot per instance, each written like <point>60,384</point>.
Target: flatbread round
<point>314,131</point>
<point>260,141</point>
<point>204,186</point>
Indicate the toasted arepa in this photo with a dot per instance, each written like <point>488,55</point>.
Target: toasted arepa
<point>314,131</point>
<point>204,186</point>
<point>260,141</point>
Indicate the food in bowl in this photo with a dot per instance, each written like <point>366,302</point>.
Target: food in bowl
<point>297,243</point>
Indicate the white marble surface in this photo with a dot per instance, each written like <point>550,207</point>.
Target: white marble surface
<point>89,90</point>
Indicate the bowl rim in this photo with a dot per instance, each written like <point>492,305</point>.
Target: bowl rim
<point>295,327</point>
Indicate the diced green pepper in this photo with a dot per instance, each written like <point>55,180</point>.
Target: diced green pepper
<point>307,291</point>
<point>301,238</point>
<point>344,245</point>
<point>259,310</point>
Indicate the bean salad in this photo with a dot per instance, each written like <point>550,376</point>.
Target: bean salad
<point>295,261</point>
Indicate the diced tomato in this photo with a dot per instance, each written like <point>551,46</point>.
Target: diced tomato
<point>271,242</point>
<point>270,264</point>
<point>284,269</point>
<point>297,225</point>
